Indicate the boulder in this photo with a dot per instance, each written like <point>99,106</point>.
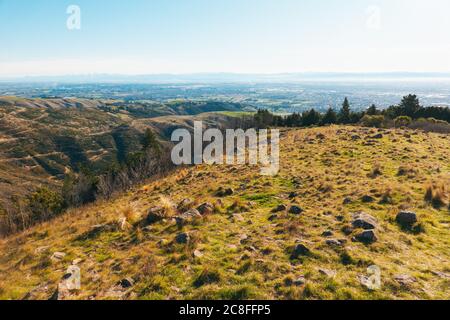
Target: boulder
<point>296,210</point>
<point>299,251</point>
<point>367,237</point>
<point>155,214</point>
<point>187,217</point>
<point>364,221</point>
<point>335,242</point>
<point>406,219</point>
<point>126,283</point>
<point>58,256</point>
<point>205,208</point>
<point>183,238</point>
<point>367,199</point>
<point>279,208</point>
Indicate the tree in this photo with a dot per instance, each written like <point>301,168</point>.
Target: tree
<point>149,142</point>
<point>372,110</point>
<point>310,118</point>
<point>44,204</point>
<point>344,114</point>
<point>410,105</point>
<point>330,117</point>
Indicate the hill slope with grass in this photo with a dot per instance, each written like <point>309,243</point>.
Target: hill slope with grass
<point>225,232</point>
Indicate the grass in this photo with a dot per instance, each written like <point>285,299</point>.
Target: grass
<point>249,257</point>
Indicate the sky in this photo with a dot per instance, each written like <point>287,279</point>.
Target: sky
<point>40,37</point>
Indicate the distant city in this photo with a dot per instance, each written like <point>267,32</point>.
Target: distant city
<point>279,93</point>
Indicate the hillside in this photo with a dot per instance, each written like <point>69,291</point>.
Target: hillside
<point>41,140</point>
<point>242,248</point>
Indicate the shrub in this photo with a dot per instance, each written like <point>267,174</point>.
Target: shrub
<point>373,121</point>
<point>44,204</point>
<point>402,121</point>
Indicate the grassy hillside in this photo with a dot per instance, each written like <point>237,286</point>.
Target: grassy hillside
<point>243,249</point>
<point>41,140</point>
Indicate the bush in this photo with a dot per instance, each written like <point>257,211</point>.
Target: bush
<point>402,121</point>
<point>373,121</point>
<point>44,204</point>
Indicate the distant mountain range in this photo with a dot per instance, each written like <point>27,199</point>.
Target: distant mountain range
<point>232,77</point>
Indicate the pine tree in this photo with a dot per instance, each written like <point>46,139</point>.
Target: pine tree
<point>372,110</point>
<point>344,114</point>
<point>149,142</point>
<point>330,117</point>
<point>410,105</point>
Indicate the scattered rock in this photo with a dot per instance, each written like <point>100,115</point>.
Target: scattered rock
<point>327,272</point>
<point>273,217</point>
<point>198,254</point>
<point>405,280</point>
<point>406,219</point>
<point>300,250</point>
<point>336,242</point>
<point>364,221</point>
<point>327,233</point>
<point>296,210</point>
<point>154,215</point>
<point>377,136</point>
<point>347,200</point>
<point>293,195</point>
<point>205,208</point>
<point>300,281</point>
<point>367,199</point>
<point>187,217</point>
<point>126,283</point>
<point>77,261</point>
<point>224,192</point>
<point>183,238</point>
<point>185,205</point>
<point>367,237</point>
<point>70,283</point>
<point>58,256</point>
<point>280,208</point>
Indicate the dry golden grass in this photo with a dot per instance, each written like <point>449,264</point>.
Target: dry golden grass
<point>238,252</point>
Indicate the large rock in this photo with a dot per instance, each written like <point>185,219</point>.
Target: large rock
<point>155,215</point>
<point>187,217</point>
<point>205,208</point>
<point>279,208</point>
<point>406,219</point>
<point>299,251</point>
<point>364,221</point>
<point>296,210</point>
<point>183,238</point>
<point>367,237</point>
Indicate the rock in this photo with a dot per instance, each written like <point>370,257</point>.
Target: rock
<point>77,261</point>
<point>406,219</point>
<point>364,221</point>
<point>243,238</point>
<point>367,237</point>
<point>154,215</point>
<point>183,238</point>
<point>198,254</point>
<point>185,205</point>
<point>347,230</point>
<point>347,200</point>
<point>126,283</point>
<point>377,136</point>
<point>205,208</point>
<point>187,217</point>
<point>293,195</point>
<point>70,282</point>
<point>58,256</point>
<point>356,137</point>
<point>273,217</point>
<point>335,242</point>
<point>327,233</point>
<point>300,250</point>
<point>237,217</point>
<point>224,192</point>
<point>327,272</point>
<point>300,281</point>
<point>367,199</point>
<point>295,210</point>
<point>280,208</point>
<point>405,280</point>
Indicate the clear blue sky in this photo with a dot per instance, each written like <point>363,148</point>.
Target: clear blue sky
<point>248,36</point>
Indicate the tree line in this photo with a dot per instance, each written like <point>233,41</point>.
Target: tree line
<point>408,110</point>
